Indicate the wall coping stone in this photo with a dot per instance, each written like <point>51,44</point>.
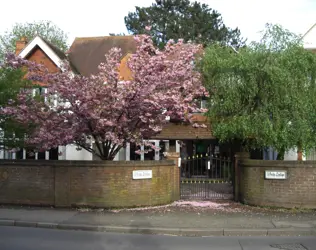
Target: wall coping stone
<point>277,163</point>
<point>71,163</point>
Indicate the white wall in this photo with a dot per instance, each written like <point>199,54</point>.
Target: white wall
<point>121,155</point>
<point>70,152</point>
<point>291,155</point>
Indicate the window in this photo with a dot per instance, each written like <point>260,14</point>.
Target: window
<point>203,104</point>
<point>39,91</point>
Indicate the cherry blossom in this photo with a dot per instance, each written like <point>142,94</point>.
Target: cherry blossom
<point>102,113</point>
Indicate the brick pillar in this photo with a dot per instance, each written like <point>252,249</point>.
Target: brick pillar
<point>176,174</point>
<point>239,156</point>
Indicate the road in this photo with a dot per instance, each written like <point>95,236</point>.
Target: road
<point>18,238</point>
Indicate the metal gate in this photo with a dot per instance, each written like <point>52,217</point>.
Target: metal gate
<point>205,177</point>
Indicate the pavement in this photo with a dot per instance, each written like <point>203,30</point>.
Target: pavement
<point>181,218</point>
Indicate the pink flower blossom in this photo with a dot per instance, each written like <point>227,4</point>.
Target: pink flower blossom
<point>105,109</point>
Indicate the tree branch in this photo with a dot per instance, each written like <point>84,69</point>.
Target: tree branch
<point>89,150</point>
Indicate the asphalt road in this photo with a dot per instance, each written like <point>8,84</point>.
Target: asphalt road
<point>18,238</point>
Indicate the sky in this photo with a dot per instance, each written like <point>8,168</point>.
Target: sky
<point>101,17</point>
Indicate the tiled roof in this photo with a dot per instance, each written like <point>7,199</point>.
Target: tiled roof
<point>86,53</point>
<point>54,48</point>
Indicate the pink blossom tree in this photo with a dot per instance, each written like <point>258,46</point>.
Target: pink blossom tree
<point>107,111</point>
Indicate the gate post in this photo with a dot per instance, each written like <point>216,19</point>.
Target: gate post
<point>239,156</point>
<point>176,174</point>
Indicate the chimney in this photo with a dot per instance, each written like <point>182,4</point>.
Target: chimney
<point>20,45</point>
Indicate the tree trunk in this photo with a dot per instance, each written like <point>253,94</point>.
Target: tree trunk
<point>281,154</point>
<point>109,152</point>
<point>299,152</point>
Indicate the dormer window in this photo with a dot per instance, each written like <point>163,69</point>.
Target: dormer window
<point>203,104</point>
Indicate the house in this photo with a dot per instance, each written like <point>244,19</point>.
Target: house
<point>40,51</point>
<point>84,56</point>
<point>309,38</point>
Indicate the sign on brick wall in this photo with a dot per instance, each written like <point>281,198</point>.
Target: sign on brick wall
<point>142,174</point>
<point>276,174</point>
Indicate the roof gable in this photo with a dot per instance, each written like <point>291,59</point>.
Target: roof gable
<point>309,38</point>
<point>51,51</point>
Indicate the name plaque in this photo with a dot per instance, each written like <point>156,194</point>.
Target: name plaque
<point>142,174</point>
<point>275,174</point>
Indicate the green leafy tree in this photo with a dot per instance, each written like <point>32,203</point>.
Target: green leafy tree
<point>45,29</point>
<point>12,134</point>
<point>264,94</point>
<point>175,19</point>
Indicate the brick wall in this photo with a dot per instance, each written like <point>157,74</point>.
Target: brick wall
<point>87,183</point>
<point>39,56</point>
<point>298,190</point>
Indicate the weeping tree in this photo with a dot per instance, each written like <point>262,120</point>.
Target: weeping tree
<point>264,94</point>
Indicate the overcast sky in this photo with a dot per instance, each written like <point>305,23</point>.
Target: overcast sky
<point>101,17</point>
